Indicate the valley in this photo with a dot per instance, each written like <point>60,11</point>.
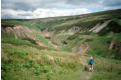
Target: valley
<point>59,48</point>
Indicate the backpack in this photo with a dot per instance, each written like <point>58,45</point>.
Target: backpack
<point>91,61</point>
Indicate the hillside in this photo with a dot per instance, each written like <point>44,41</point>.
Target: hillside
<point>84,22</point>
<point>16,30</point>
<point>59,48</point>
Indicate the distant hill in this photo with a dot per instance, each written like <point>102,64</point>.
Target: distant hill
<point>84,22</point>
<point>72,30</point>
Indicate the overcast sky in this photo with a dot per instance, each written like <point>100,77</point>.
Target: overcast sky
<point>29,9</point>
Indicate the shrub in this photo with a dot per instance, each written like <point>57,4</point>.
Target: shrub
<point>37,69</point>
<point>6,66</point>
<point>20,53</point>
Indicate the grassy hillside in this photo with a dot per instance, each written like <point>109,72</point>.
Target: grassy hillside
<point>85,21</point>
<point>52,49</point>
<point>15,22</point>
<point>98,45</point>
<point>26,62</point>
<point>106,69</point>
<point>16,31</point>
<point>21,61</point>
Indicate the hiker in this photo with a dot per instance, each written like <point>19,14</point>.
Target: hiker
<point>91,62</point>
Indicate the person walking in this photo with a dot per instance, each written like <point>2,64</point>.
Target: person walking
<point>91,62</point>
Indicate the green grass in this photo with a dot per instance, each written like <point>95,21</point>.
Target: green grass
<point>17,41</point>
<point>100,45</point>
<point>106,76</point>
<point>106,69</point>
<point>23,61</point>
<point>113,26</point>
<point>97,44</point>
<point>42,39</point>
<point>15,22</point>
<point>45,41</point>
<point>20,42</point>
<point>85,22</point>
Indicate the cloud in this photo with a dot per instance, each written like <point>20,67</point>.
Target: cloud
<point>112,4</point>
<point>34,4</point>
<point>10,13</point>
<point>85,3</point>
<point>48,8</point>
<point>41,13</point>
<point>30,4</point>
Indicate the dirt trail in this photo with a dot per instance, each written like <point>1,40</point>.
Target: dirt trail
<point>89,76</point>
<point>85,76</point>
<point>84,59</point>
<point>83,48</point>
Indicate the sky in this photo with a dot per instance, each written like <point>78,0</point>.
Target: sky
<point>31,9</point>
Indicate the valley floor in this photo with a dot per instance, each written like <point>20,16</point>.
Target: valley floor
<point>30,63</point>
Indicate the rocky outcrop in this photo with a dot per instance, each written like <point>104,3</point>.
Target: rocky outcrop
<point>112,44</point>
<point>99,26</point>
<point>120,48</point>
<point>39,43</point>
<point>115,46</point>
<point>45,34</point>
<point>82,49</point>
<point>18,32</point>
<point>21,32</point>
